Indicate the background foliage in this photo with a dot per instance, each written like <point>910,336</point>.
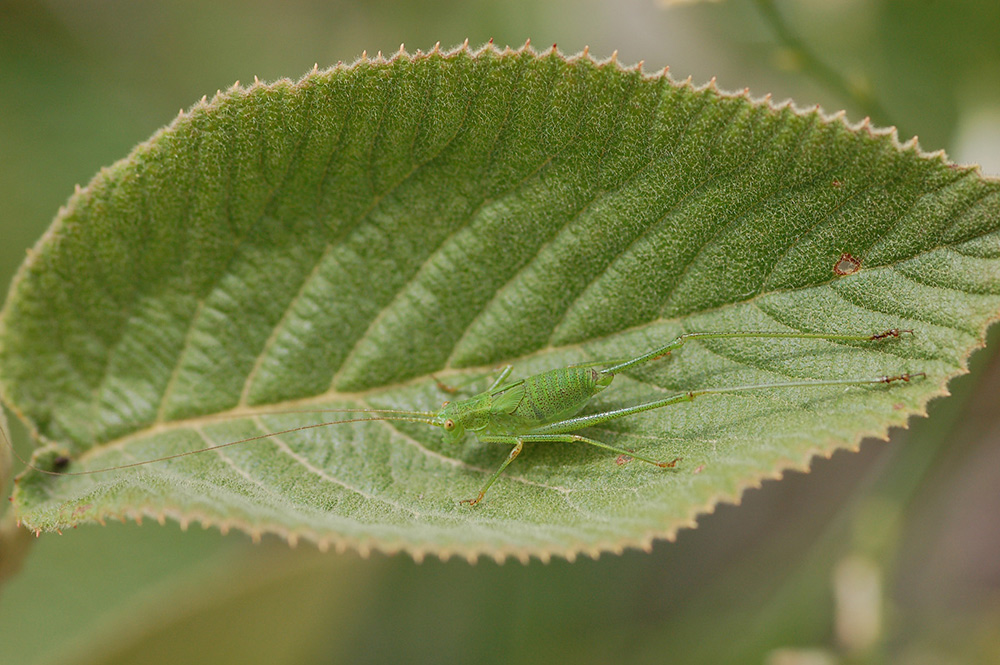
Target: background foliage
<point>82,84</point>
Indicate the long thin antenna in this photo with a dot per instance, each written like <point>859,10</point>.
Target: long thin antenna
<point>426,420</point>
<point>251,414</point>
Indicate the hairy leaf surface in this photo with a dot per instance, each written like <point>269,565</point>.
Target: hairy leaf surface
<point>352,239</point>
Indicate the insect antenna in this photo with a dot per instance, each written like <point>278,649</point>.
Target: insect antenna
<point>410,416</point>
<point>237,413</point>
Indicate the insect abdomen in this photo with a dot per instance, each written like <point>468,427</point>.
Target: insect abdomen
<point>557,394</point>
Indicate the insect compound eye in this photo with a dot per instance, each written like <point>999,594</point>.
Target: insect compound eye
<point>449,424</point>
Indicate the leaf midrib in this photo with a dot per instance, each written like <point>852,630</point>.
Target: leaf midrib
<point>287,407</point>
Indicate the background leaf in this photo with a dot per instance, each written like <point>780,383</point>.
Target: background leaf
<point>336,241</point>
<point>273,602</point>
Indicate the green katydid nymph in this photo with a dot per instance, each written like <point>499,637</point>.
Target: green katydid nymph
<point>546,407</point>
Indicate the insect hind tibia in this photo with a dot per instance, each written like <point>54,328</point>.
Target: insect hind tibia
<point>680,340</point>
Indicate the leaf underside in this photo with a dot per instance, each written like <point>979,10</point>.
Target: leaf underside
<point>348,239</point>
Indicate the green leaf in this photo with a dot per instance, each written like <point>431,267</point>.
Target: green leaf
<point>257,607</point>
<point>350,239</point>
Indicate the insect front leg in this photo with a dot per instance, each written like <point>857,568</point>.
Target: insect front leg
<point>518,445</point>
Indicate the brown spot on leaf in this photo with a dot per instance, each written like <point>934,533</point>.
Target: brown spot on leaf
<point>847,264</point>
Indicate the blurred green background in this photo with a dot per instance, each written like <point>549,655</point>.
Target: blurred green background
<point>887,555</point>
